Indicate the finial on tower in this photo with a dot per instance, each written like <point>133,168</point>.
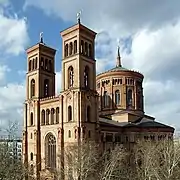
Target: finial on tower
<point>118,61</point>
<point>41,37</point>
<point>79,17</point>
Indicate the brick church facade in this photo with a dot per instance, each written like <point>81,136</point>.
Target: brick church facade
<point>107,107</point>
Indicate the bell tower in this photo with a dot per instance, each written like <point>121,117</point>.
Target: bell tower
<point>79,81</point>
<point>40,71</point>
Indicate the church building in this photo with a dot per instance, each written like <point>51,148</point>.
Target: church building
<point>107,108</point>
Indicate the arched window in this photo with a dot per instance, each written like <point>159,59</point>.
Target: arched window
<point>42,63</point>
<point>70,48</point>
<point>46,64</point>
<point>86,77</point>
<point>32,88</point>
<point>57,115</point>
<point>106,99</point>
<point>46,88</point>
<point>117,97</point>
<point>66,50</point>
<point>31,156</point>
<point>30,65</point>
<point>50,66</point>
<point>47,116</point>
<point>90,50</point>
<point>89,134</point>
<point>75,46</point>
<point>82,47</point>
<point>88,114</point>
<point>52,115</point>
<point>69,113</point>
<point>31,119</point>
<point>86,49</point>
<point>70,76</point>
<point>129,97</point>
<point>35,65</point>
<point>69,134</point>
<point>50,151</point>
<point>43,117</point>
<point>31,136</point>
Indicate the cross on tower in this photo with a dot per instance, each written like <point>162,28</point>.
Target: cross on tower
<point>79,17</point>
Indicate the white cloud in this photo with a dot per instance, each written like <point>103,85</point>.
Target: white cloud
<point>154,27</point>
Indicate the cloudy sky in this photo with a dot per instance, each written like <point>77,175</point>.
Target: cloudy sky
<point>149,33</point>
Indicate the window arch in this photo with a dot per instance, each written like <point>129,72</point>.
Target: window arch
<point>52,115</point>
<point>70,48</point>
<point>69,134</point>
<point>117,97</point>
<point>88,114</point>
<point>106,99</point>
<point>75,46</point>
<point>66,50</point>
<point>57,115</point>
<point>47,116</point>
<point>86,77</point>
<point>43,117</point>
<point>129,97</point>
<point>69,113</point>
<point>86,49</point>
<point>70,76</point>
<point>82,47</point>
<point>31,119</point>
<point>46,87</point>
<point>30,65</point>
<point>32,88</point>
<point>50,151</point>
<point>90,50</point>
<point>31,156</point>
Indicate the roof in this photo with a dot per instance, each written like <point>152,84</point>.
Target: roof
<point>118,68</point>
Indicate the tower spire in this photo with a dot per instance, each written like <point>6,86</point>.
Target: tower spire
<point>118,60</point>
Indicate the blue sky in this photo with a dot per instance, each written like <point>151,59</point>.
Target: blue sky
<point>150,43</point>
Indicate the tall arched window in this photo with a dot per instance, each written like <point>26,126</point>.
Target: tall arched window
<point>69,134</point>
<point>57,115</point>
<point>66,50</point>
<point>46,64</point>
<point>52,115</point>
<point>86,49</point>
<point>82,47</point>
<point>129,97</point>
<point>35,65</point>
<point>88,114</point>
<point>42,63</point>
<point>70,48</point>
<point>117,97</point>
<point>43,117</point>
<point>46,88</point>
<point>69,113</point>
<point>31,156</point>
<point>86,77</point>
<point>75,46</point>
<point>90,50</point>
<point>106,99</point>
<point>47,116</point>
<point>70,76</point>
<point>30,65</point>
<point>32,88</point>
<point>50,66</point>
<point>50,151</point>
<point>31,119</point>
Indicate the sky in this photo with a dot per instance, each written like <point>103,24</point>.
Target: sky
<point>149,34</point>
